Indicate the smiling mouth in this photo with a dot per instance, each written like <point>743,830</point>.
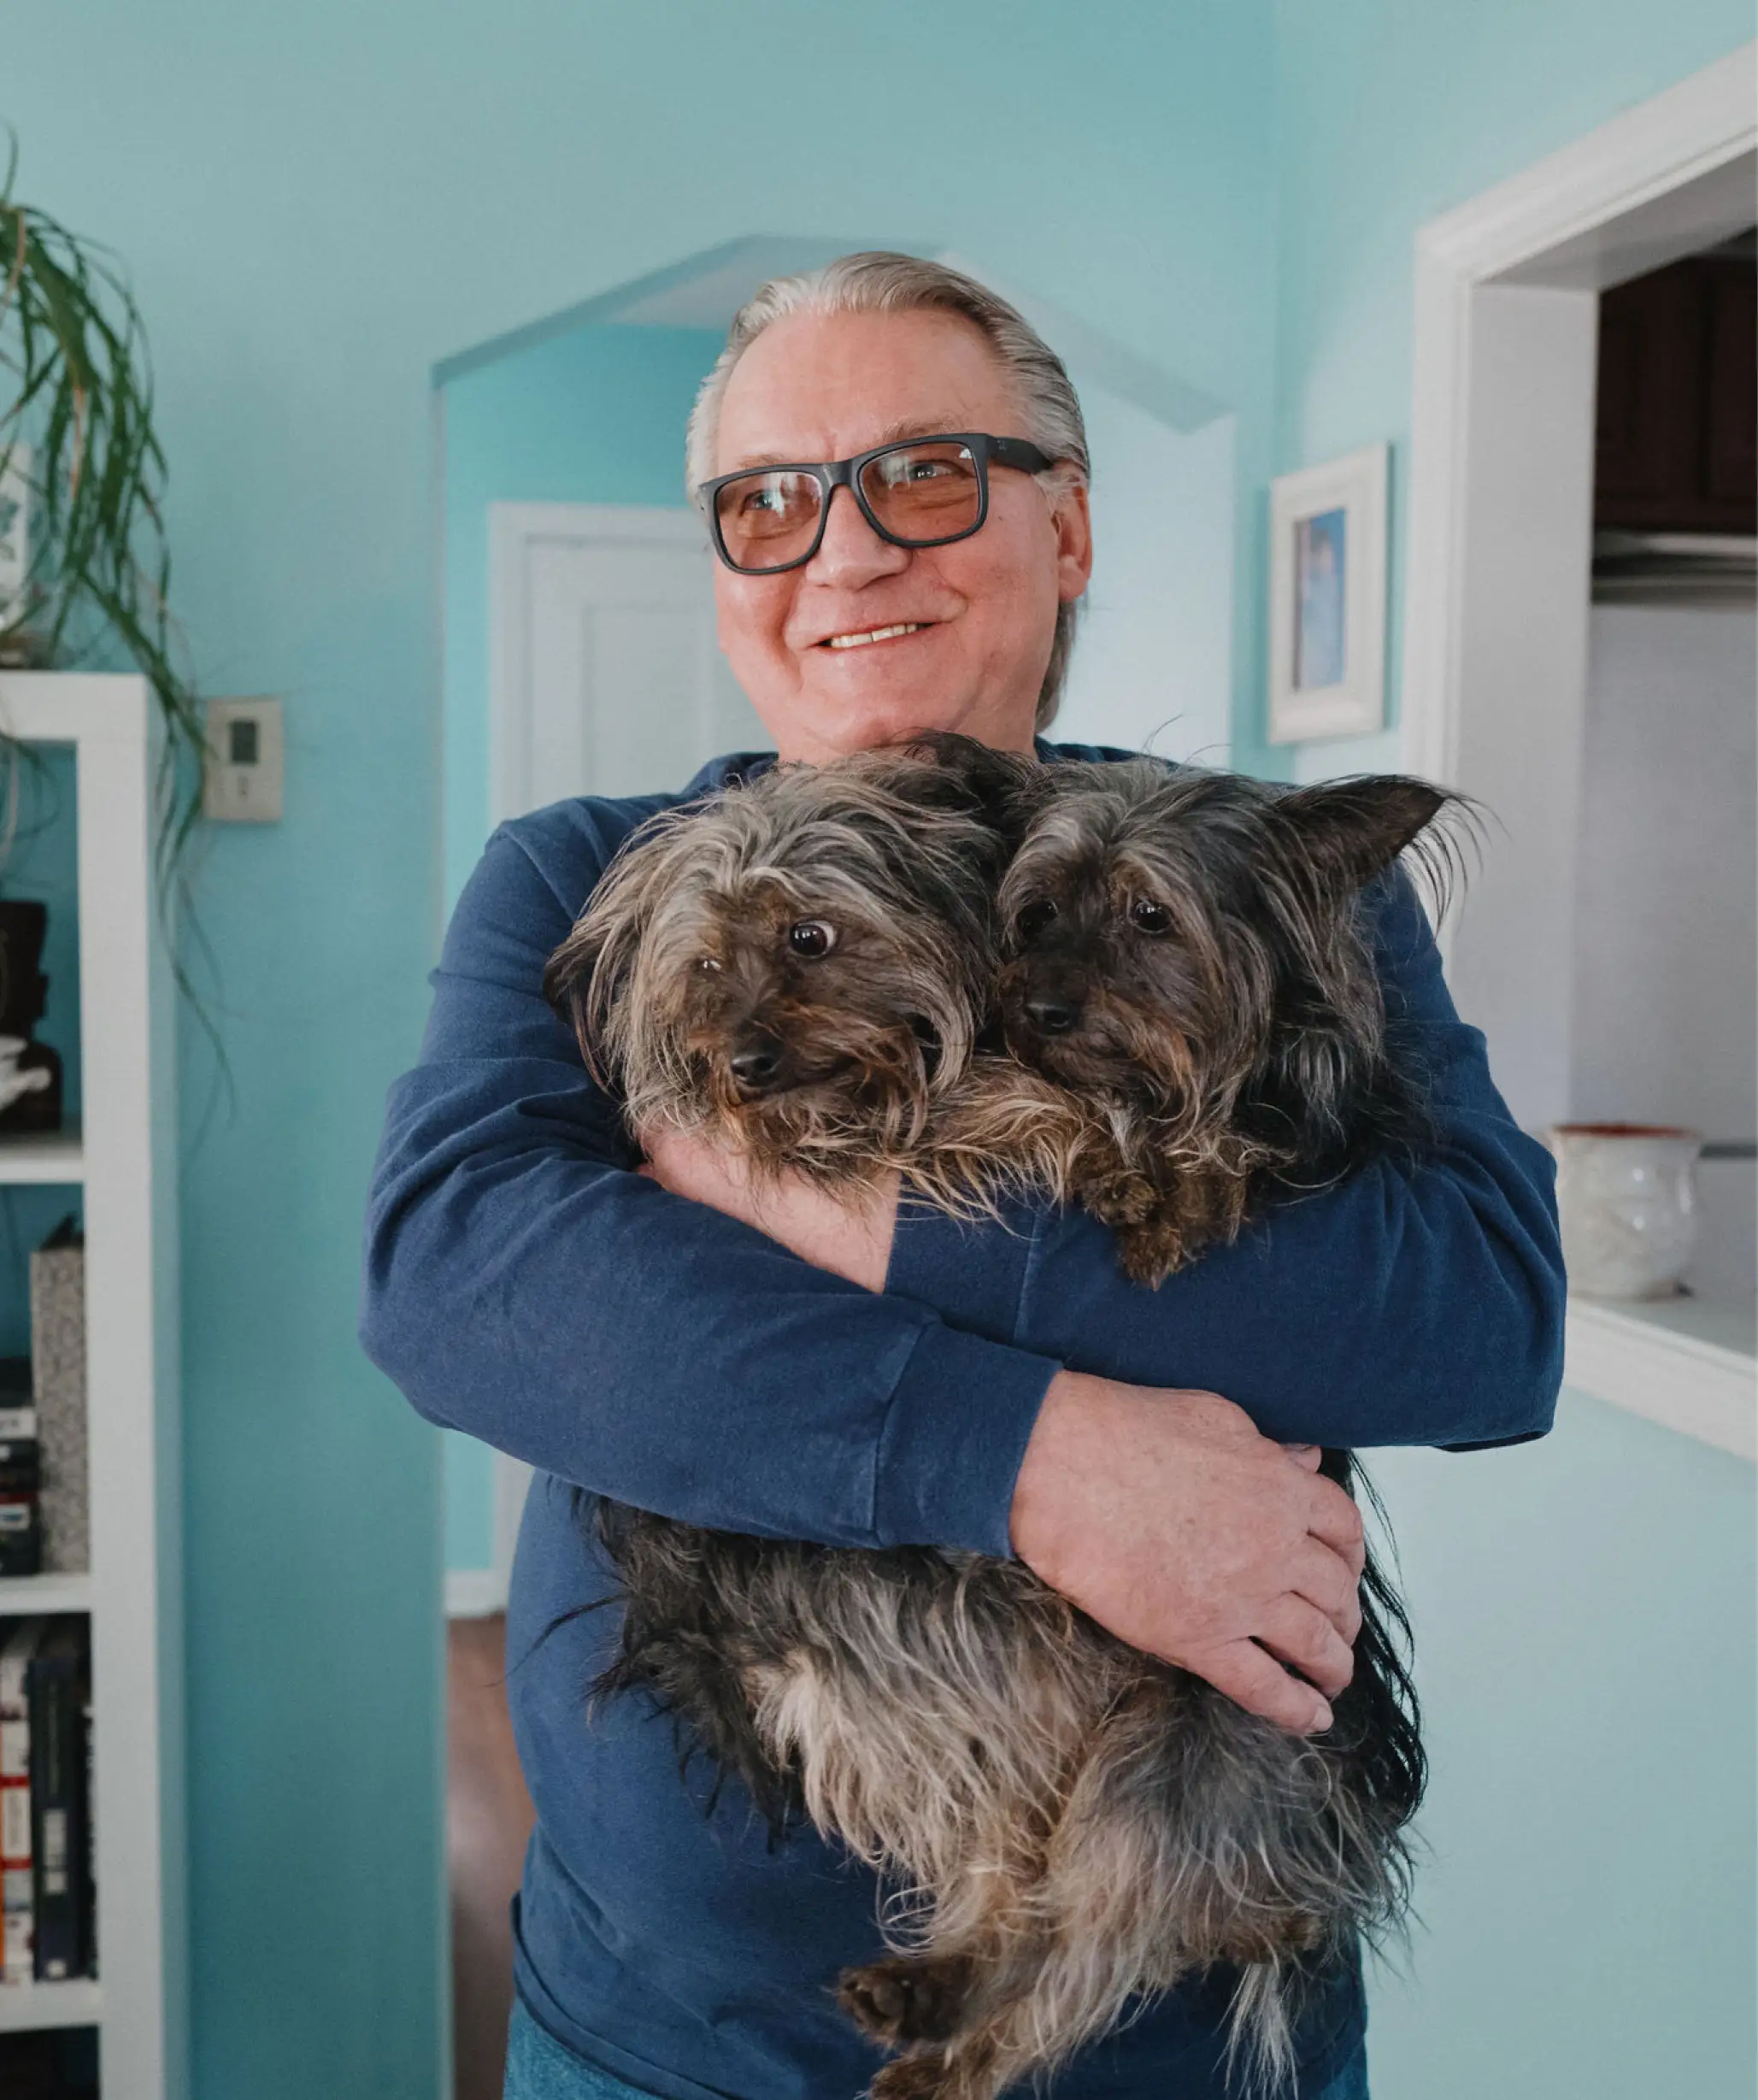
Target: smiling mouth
<point>875,634</point>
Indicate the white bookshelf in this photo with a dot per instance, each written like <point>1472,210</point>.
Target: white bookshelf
<point>57,1158</point>
<point>124,1157</point>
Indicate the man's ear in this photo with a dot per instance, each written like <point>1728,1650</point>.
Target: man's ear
<point>1357,828</point>
<point>1072,516</point>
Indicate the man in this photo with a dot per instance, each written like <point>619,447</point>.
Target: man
<point>783,1364</point>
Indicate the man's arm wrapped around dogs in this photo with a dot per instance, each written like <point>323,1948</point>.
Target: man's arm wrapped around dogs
<point>1417,1303</point>
<point>524,1286</point>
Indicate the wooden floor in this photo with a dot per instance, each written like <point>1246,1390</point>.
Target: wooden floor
<point>488,1818</point>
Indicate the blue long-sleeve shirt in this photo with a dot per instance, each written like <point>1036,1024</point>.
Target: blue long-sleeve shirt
<point>523,1284</point>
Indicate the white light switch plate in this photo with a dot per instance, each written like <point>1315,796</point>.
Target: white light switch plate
<point>241,782</point>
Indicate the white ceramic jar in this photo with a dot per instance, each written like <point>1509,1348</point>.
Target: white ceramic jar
<point>1626,1195</point>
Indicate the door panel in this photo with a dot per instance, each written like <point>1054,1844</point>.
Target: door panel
<point>605,678</point>
<point>608,678</point>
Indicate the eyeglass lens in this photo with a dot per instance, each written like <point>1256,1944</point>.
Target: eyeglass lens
<point>919,493</point>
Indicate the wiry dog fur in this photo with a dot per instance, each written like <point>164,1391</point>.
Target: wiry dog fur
<point>802,964</point>
<point>1063,1822</point>
<point>1187,957</point>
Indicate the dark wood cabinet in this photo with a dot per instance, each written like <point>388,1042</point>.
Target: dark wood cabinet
<point>1678,404</point>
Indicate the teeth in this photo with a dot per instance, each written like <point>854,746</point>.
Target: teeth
<point>876,634</point>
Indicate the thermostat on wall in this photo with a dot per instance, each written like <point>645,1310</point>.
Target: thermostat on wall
<point>241,782</point>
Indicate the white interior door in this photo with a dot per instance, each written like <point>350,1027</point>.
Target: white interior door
<point>604,678</point>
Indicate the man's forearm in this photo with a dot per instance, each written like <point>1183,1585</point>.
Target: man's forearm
<point>1417,1302</point>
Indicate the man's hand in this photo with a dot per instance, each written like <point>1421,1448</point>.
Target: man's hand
<point>1164,1515</point>
<point>1167,1517</point>
<point>849,1233</point>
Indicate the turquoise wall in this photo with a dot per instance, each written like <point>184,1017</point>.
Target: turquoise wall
<point>1585,1623</point>
<point>1584,1609</point>
<point>1387,113</point>
<point>593,416</point>
<point>318,204</point>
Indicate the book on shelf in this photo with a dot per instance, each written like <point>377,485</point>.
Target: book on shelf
<point>45,1825</point>
<point>20,1639</point>
<point>21,1472</point>
<point>21,1533</point>
<point>18,1401</point>
<point>57,1680</point>
<point>90,1876</point>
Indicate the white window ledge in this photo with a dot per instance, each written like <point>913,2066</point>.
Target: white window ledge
<point>1685,1363</point>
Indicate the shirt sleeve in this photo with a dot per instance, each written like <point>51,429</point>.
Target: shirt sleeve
<point>523,1284</point>
<point>1412,1304</point>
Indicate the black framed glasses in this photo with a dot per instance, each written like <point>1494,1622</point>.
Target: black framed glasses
<point>918,492</point>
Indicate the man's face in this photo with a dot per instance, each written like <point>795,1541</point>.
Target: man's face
<point>984,609</point>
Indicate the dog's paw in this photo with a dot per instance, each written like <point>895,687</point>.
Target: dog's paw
<point>1121,1200</point>
<point>904,1999</point>
<point>1150,1252</point>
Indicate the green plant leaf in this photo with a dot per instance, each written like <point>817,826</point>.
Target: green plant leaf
<point>76,391</point>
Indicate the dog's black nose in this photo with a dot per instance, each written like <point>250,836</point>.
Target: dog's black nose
<point>1051,1014</point>
<point>757,1061</point>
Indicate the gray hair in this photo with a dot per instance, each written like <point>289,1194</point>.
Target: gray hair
<point>883,283</point>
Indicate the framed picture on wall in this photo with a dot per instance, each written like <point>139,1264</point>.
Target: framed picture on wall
<point>1327,599</point>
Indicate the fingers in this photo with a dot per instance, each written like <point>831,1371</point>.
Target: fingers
<point>1256,1681</point>
<point>1328,1584</point>
<point>1333,1519</point>
<point>1298,1634</point>
<point>1309,1456</point>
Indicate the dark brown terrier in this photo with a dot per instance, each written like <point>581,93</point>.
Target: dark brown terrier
<point>1071,1822</point>
<point>802,965</point>
<point>1187,955</point>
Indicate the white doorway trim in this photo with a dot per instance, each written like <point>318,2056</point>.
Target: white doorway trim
<point>515,530</point>
<point>1500,512</point>
<point>526,540</point>
<point>1506,291</point>
<point>1657,182</point>
<point>481,1592</point>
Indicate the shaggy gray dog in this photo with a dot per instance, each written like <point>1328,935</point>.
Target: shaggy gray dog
<point>803,966</point>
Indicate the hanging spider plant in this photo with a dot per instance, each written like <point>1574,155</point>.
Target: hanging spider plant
<point>76,439</point>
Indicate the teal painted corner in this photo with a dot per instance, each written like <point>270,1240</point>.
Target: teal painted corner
<point>1585,1612</point>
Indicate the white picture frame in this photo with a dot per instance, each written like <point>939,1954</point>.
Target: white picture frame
<point>1327,599</point>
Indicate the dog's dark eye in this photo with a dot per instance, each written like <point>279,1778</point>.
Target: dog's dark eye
<point>1148,917</point>
<point>1035,918</point>
<point>707,963</point>
<point>811,937</point>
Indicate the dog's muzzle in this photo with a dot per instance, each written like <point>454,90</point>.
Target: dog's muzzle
<point>755,1061</point>
<point>1050,1004</point>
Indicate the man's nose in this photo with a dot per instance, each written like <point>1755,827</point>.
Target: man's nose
<point>851,553</point>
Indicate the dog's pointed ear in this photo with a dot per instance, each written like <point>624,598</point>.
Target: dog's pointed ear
<point>568,973</point>
<point>586,977</point>
<point>1357,828</point>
